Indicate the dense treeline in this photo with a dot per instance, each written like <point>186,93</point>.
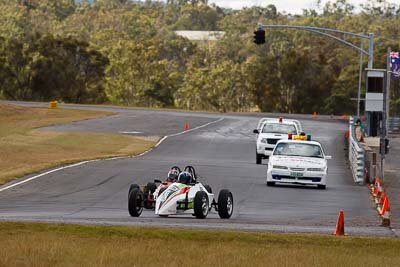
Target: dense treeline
<point>124,52</point>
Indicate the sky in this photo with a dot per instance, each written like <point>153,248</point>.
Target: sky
<point>293,7</point>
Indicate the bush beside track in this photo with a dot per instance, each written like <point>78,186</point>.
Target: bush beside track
<point>26,150</point>
<point>37,244</point>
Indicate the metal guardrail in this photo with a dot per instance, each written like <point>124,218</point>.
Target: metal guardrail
<point>356,155</point>
<point>394,124</point>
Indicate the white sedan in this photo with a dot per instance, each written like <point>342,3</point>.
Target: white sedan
<point>298,161</point>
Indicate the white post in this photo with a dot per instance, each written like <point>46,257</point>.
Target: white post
<point>371,51</point>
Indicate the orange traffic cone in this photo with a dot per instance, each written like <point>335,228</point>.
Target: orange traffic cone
<point>186,126</point>
<point>379,194</point>
<point>385,212</point>
<point>340,224</point>
<point>381,200</point>
<point>315,115</point>
<point>377,182</point>
<point>385,206</point>
<point>375,191</point>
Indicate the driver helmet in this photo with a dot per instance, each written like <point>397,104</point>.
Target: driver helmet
<point>185,178</point>
<point>172,175</point>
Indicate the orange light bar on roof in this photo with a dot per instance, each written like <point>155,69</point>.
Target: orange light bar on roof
<point>300,137</point>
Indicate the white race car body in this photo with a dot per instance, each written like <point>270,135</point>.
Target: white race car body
<point>306,170</point>
<point>178,199</point>
<point>266,140</point>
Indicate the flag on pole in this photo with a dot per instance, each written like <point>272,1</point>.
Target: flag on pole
<point>395,65</point>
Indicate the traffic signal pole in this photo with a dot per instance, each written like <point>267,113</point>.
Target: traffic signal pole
<point>329,33</point>
<point>383,135</point>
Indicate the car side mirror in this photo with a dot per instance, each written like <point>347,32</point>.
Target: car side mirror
<point>157,181</point>
<point>256,131</point>
<point>328,157</point>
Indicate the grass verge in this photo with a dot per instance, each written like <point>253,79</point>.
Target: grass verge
<point>25,149</point>
<point>36,244</point>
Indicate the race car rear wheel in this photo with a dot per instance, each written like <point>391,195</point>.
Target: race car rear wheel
<point>258,159</point>
<point>225,204</point>
<point>200,205</point>
<point>135,202</point>
<point>151,187</point>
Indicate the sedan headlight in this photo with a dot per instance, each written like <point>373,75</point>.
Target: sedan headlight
<point>316,169</point>
<point>279,167</point>
<point>263,140</point>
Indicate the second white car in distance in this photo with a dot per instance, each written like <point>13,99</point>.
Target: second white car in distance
<point>270,132</point>
<point>298,162</point>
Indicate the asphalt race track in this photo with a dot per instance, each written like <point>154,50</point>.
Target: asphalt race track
<point>223,154</point>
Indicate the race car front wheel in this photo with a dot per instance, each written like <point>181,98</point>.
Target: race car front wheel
<point>132,187</point>
<point>135,202</point>
<point>200,205</point>
<point>225,204</point>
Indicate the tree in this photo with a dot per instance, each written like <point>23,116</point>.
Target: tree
<point>136,77</point>
<point>198,17</point>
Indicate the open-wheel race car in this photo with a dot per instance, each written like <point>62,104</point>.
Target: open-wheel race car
<point>185,196</point>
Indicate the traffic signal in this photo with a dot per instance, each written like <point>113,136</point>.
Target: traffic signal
<point>259,37</point>
<point>384,146</point>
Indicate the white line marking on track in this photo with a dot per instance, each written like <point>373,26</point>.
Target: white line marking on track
<point>45,173</point>
<point>107,159</point>
<point>133,132</point>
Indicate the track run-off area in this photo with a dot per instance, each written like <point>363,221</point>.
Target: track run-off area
<point>222,149</point>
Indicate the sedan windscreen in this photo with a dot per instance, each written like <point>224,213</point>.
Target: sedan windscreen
<point>279,128</point>
<point>298,149</point>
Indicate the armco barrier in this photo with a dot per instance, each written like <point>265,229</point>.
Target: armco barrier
<point>356,155</point>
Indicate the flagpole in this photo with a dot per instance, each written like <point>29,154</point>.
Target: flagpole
<point>389,78</point>
<point>382,141</point>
